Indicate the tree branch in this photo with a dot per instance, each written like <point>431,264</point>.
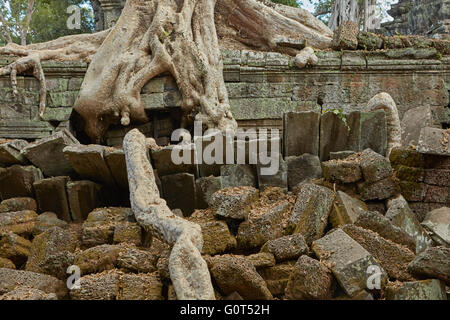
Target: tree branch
<point>6,31</point>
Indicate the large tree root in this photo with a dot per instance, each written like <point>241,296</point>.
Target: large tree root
<point>188,270</point>
<point>383,101</point>
<point>179,37</point>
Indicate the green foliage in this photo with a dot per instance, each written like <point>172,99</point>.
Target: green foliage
<point>49,19</point>
<point>292,3</point>
<point>341,115</point>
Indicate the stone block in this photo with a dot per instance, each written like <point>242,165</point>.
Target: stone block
<point>17,181</point>
<point>115,159</point>
<point>140,287</point>
<point>165,165</point>
<point>437,223</point>
<point>433,263</point>
<point>128,232</point>
<point>205,188</point>
<point>347,259</point>
<point>380,190</point>
<point>46,221</point>
<point>103,286</point>
<point>416,290</point>
<point>136,260</point>
<point>302,169</point>
<point>51,196</point>
<point>14,248</point>
<point>374,166</point>
<point>10,152</point>
<point>434,141</point>
<point>342,171</point>
<point>346,210</point>
<point>18,204</point>
<point>234,203</point>
<point>277,277</point>
<point>262,260</point>
<point>19,222</point>
<point>374,131</point>
<point>346,36</point>
<point>267,179</point>
<point>412,123</point>
<point>286,248</point>
<point>179,192</point>
<point>83,196</point>
<point>301,133</point>
<point>237,175</point>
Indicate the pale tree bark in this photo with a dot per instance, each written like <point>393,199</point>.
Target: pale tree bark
<point>345,10</point>
<point>5,28</point>
<point>26,24</point>
<point>179,37</point>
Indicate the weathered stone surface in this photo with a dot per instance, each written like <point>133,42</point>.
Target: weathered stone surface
<point>347,259</point>
<point>286,248</point>
<point>99,226</point>
<point>393,257</point>
<point>237,175</point>
<point>416,290</point>
<point>18,204</point>
<point>51,252</point>
<point>128,232</point>
<point>235,274</point>
<point>51,196</point>
<point>346,209</point>
<point>277,277</point>
<point>83,196</point>
<point>115,159</point>
<point>21,222</point>
<point>179,192</point>
<point>374,166</point>
<point>375,221</point>
<point>217,238</point>
<point>438,177</point>
<point>135,260</point>
<point>6,263</point>
<point>140,287</point>
<point>279,179</point>
<point>301,133</point>
<point>10,152</point>
<point>23,293</point>
<point>17,181</point>
<point>46,221</point>
<point>302,169</point>
<point>412,123</point>
<point>310,214</point>
<point>437,222</point>
<point>380,190</point>
<point>434,141</point>
<point>89,163</point>
<point>205,188</point>
<point>346,36</point>
<point>341,155</point>
<point>98,259</point>
<point>269,225</point>
<point>310,279</point>
<point>164,164</point>
<point>342,171</point>
<point>47,153</point>
<point>374,131</point>
<point>401,216</point>
<point>11,279</point>
<point>262,260</point>
<point>234,203</point>
<point>14,248</point>
<point>432,263</point>
<point>103,286</point>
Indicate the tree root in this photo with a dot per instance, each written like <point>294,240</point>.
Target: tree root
<point>188,271</point>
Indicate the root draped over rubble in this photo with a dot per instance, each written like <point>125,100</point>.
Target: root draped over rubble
<point>179,37</point>
<point>188,270</point>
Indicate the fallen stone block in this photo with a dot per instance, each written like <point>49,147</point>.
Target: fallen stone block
<point>21,222</point>
<point>234,203</point>
<point>51,196</point>
<point>277,277</point>
<point>217,238</point>
<point>128,232</point>
<point>374,166</point>
<point>303,169</point>
<point>45,221</point>
<point>301,133</point>
<point>235,274</point>
<point>11,279</point>
<point>83,196</point>
<point>286,248</point>
<point>10,152</point>
<point>346,36</point>
<point>18,204</point>
<point>89,163</point>
<point>416,290</point>
<point>238,175</point>
<point>22,293</point>
<point>375,221</point>
<point>47,154</point>
<point>179,192</point>
<point>342,171</point>
<point>341,155</point>
<point>374,131</point>
<point>346,209</point>
<point>393,257</point>
<point>261,260</point>
<point>266,179</point>
<point>136,260</point>
<point>412,123</point>
<point>310,213</point>
<point>434,141</point>
<point>348,261</point>
<point>165,165</point>
<point>98,259</point>
<point>17,181</point>
<point>140,287</point>
<point>104,286</point>
<point>14,248</point>
<point>205,188</point>
<point>437,222</point>
<point>438,177</point>
<point>380,190</point>
<point>433,263</point>
<point>115,159</point>
<point>401,216</point>
<point>6,263</point>
<point>310,280</point>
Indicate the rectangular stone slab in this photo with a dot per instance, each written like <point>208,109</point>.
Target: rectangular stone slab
<point>301,133</point>
<point>434,141</point>
<point>115,159</point>
<point>84,196</point>
<point>51,196</point>
<point>10,153</point>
